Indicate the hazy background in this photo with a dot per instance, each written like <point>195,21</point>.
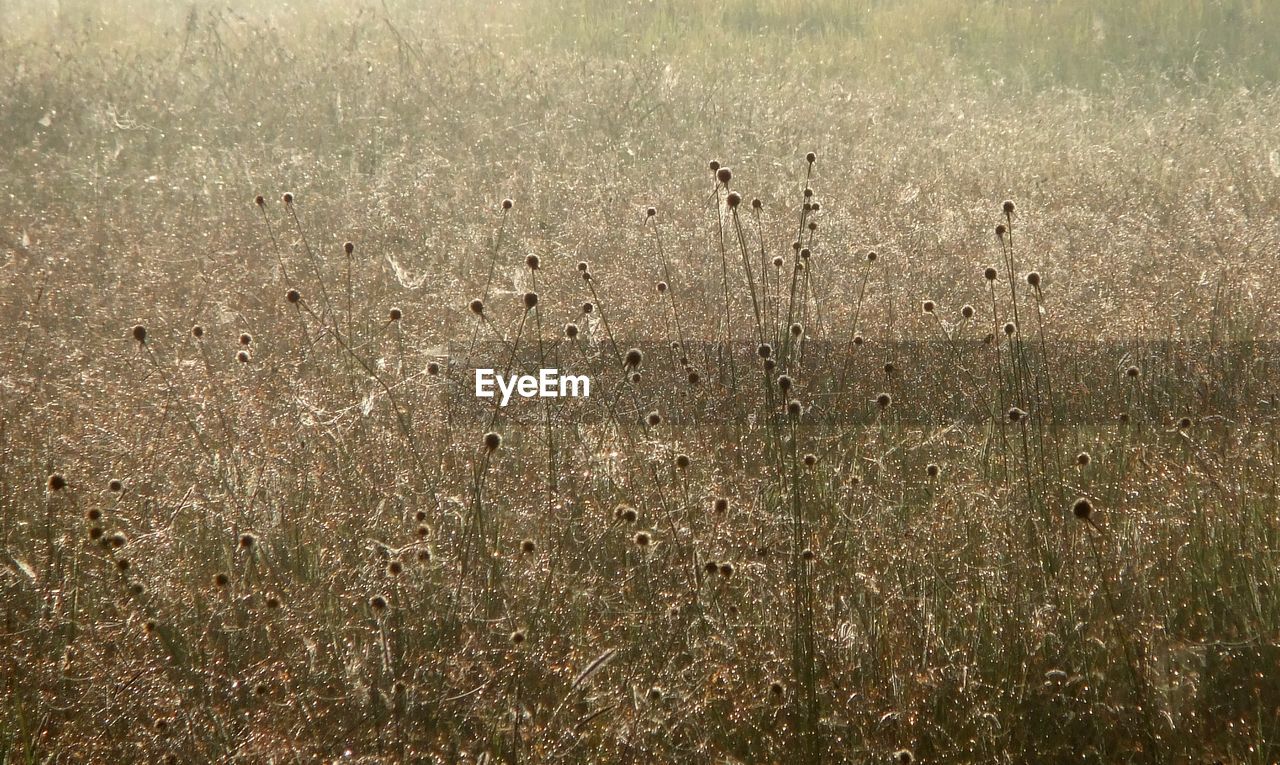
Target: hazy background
<point>399,123</point>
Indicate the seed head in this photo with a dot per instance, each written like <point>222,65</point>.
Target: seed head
<point>378,603</point>
<point>588,307</point>
<point>243,357</point>
<point>1184,423</point>
<point>508,203</point>
<point>808,554</point>
<point>492,440</point>
<point>871,256</point>
<point>651,212</point>
<point>140,334</point>
<point>794,407</point>
<point>260,201</point>
<point>756,204</point>
<point>1001,230</point>
<point>1083,459</point>
<point>433,368</point>
<point>477,307</point>
<point>533,262</point>
<point>661,287</point>
<point>293,296</point>
<point>884,400</point>
<point>714,165</point>
<point>1010,329</point>
<point>287,198</point>
<point>92,514</point>
<point>528,546</point>
<point>530,300</point>
<point>1016,415</point>
<point>518,637</point>
<point>1132,372</point>
<point>933,470</point>
<point>682,461</point>
<point>626,513</point>
<point>784,383</point>
<point>634,358</point>
<point>395,314</point>
<point>694,377</point>
<point>711,567</point>
<point>653,419</point>
<point>642,539</point>
<point>967,311</point>
<point>904,757</point>
<point>1082,508</point>
<point>764,350</point>
<point>348,247</point>
<point>777,261</point>
<point>1007,206</point>
<point>57,482</point>
<point>733,200</point>
<point>796,329</point>
<point>246,338</point>
<point>990,273</point>
<point>720,506</point>
<point>810,459</point>
<point>724,175</point>
<point>805,253</point>
<point>929,306</point>
<point>1033,279</point>
<point>571,330</point>
<point>811,158</point>
<point>221,580</point>
<point>197,331</point>
<point>726,570</point>
<point>248,541</point>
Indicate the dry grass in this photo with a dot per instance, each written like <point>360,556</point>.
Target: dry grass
<point>312,551</point>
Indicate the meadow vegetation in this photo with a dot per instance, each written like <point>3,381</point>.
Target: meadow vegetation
<point>933,407</point>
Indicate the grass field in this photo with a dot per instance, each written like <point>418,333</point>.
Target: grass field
<point>952,441</point>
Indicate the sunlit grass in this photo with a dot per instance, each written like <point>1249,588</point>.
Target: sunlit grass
<point>990,474</point>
